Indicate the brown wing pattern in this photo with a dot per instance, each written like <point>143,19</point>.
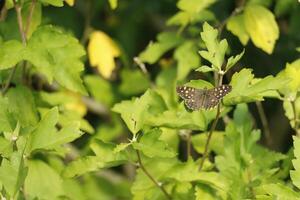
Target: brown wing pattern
<point>196,99</point>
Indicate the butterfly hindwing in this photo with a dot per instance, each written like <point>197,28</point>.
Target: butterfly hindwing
<point>196,99</point>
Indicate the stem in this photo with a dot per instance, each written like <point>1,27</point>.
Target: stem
<point>296,125</point>
<point>20,22</point>
<point>264,121</point>
<point>237,10</point>
<point>212,128</point>
<point>28,21</point>
<point>151,177</point>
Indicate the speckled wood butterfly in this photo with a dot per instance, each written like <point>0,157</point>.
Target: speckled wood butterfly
<point>196,99</point>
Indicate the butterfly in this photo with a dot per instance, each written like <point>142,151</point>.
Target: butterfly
<point>196,99</point>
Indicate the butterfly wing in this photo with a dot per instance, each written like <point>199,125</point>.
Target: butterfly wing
<point>196,99</point>
<point>211,100</point>
<point>193,98</point>
<point>220,91</point>
<point>213,96</point>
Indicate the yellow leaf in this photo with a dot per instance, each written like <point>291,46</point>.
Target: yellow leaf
<point>237,27</point>
<point>101,51</point>
<point>70,2</point>
<point>261,26</point>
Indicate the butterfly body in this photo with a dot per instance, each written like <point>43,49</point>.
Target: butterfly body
<point>196,99</point>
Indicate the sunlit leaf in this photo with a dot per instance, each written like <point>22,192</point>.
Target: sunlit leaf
<point>13,173</point>
<point>187,58</point>
<point>113,4</point>
<point>152,146</point>
<point>165,42</point>
<point>236,26</point>
<point>46,136</point>
<point>58,3</point>
<point>295,174</point>
<point>11,53</point>
<point>70,2</point>
<point>42,181</point>
<point>215,50</point>
<point>57,55</point>
<point>244,90</point>
<point>22,105</point>
<point>261,26</point>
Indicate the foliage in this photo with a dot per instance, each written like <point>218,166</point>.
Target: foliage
<point>86,114</point>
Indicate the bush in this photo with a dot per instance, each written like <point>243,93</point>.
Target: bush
<point>88,111</point>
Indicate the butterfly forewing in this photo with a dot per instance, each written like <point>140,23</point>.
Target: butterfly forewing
<point>196,99</point>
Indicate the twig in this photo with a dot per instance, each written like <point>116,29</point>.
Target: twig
<point>141,65</point>
<point>151,177</point>
<point>20,22</point>
<point>264,121</point>
<point>7,83</point>
<point>188,145</point>
<point>95,106</point>
<point>87,22</point>
<point>28,21</point>
<point>212,128</point>
<point>23,37</point>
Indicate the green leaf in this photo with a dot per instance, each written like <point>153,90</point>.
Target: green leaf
<point>280,191</point>
<point>200,84</point>
<point>291,72</point>
<point>13,173</point>
<point>57,55</point>
<point>233,60</point>
<point>45,135</point>
<point>295,174</point>
<point>58,3</point>
<point>245,89</point>
<point>6,147</point>
<point>105,151</point>
<point>11,53</point>
<point>194,6</point>
<point>113,4</point>
<point>97,86</point>
<point>121,147</point>
<point>133,112</point>
<point>283,7</point>
<point>261,26</point>
<point>187,58</point>
<point>22,106</point>
<point>7,121</point>
<point>105,158</point>
<point>216,142</point>
<point>42,181</point>
<point>133,82</point>
<point>205,69</point>
<point>215,50</point>
<point>152,146</point>
<point>204,193</point>
<point>178,118</point>
<point>165,42</point>
<point>82,165</point>
<point>236,26</point>
<point>143,187</point>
